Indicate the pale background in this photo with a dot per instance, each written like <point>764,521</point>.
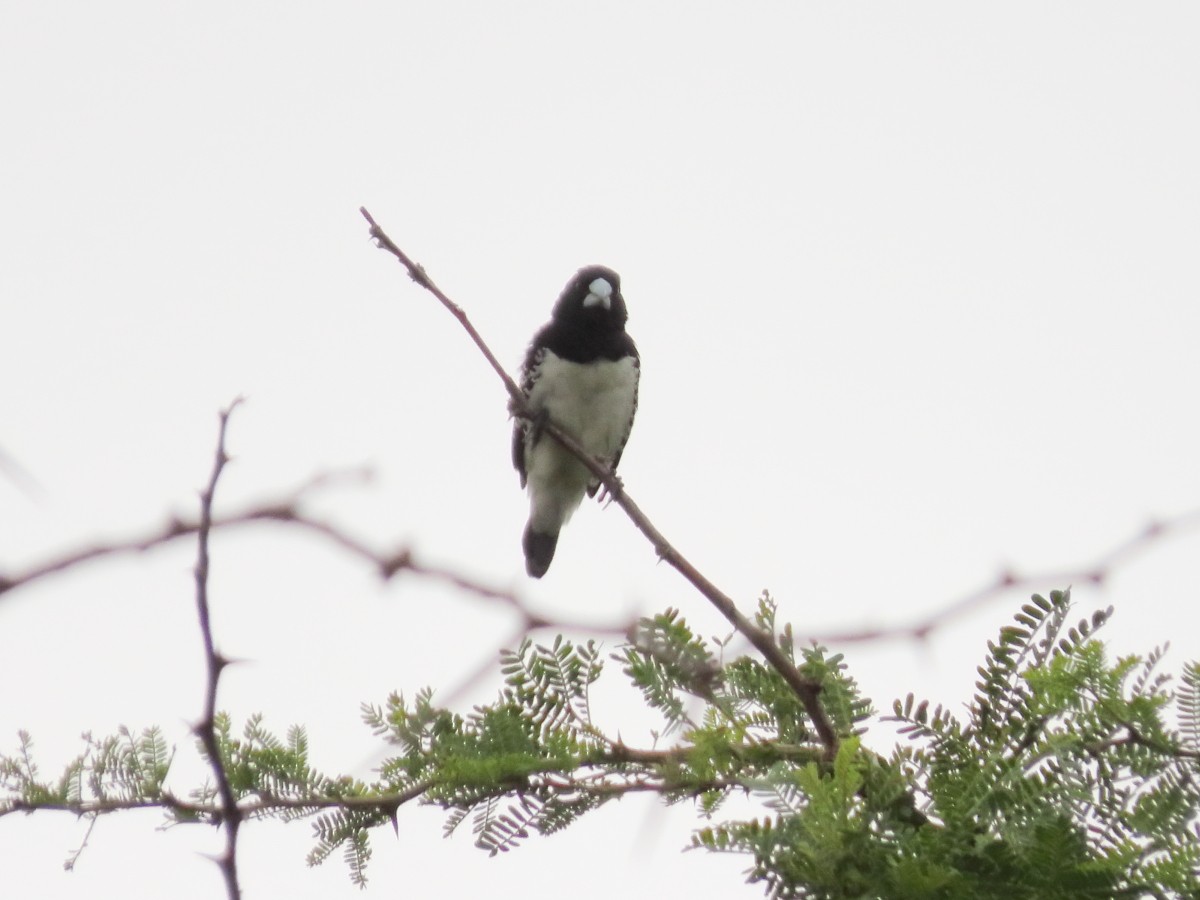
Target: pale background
<point>915,288</point>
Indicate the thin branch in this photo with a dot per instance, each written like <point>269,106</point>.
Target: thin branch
<point>175,527</point>
<point>216,813</point>
<point>606,790</point>
<point>264,803</point>
<point>205,729</point>
<point>1097,573</point>
<point>419,275</point>
<point>621,753</point>
<point>69,865</point>
<point>199,812</point>
<point>807,689</point>
<point>654,769</point>
<point>1136,737</point>
<point>287,512</point>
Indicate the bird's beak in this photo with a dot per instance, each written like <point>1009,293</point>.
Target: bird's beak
<point>597,300</point>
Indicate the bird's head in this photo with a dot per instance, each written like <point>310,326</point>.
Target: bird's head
<point>592,299</point>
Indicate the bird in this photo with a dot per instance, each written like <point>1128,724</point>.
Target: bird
<point>581,372</point>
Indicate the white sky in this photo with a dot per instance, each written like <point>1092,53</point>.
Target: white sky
<point>915,288</point>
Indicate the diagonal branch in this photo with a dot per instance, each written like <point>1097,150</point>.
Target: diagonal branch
<point>1096,573</point>
<point>418,274</point>
<point>807,689</point>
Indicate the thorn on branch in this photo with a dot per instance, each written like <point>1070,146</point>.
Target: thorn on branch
<point>395,563</point>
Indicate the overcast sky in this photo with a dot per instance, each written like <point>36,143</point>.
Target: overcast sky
<point>915,289</point>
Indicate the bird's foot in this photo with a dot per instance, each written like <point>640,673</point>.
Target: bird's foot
<point>537,425</point>
<point>607,496</point>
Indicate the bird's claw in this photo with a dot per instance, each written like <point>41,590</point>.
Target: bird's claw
<point>608,496</point>
<point>537,425</point>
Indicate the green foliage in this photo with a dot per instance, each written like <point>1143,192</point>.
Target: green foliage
<point>123,768</point>
<point>665,660</point>
<point>502,764</point>
<point>260,764</point>
<point>1064,777</point>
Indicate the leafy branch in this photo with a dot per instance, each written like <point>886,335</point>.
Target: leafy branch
<point>1081,787</point>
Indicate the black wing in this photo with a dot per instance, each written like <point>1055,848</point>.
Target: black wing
<point>529,373</point>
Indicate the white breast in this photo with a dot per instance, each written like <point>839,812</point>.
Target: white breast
<point>594,401</point>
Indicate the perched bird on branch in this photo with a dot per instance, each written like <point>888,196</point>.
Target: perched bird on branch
<point>581,373</point>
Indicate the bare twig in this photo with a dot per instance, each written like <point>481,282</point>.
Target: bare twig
<point>419,275</point>
<point>1096,573</point>
<point>807,689</point>
<point>69,865</point>
<point>173,529</point>
<point>287,512</point>
<point>230,814</point>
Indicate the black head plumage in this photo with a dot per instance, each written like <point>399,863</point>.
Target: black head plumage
<point>588,319</point>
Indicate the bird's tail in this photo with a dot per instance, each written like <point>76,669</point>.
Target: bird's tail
<point>539,550</point>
